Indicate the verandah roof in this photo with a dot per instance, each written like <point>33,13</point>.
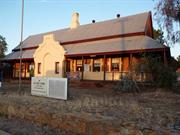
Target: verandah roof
<point>114,45</point>
<point>26,54</point>
<point>103,46</point>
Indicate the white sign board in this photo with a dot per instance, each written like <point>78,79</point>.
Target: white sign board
<point>57,88</point>
<point>50,87</point>
<point>39,86</point>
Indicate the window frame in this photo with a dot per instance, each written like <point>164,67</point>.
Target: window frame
<point>95,63</point>
<point>79,65</point>
<point>56,67</point>
<point>39,68</point>
<point>115,63</point>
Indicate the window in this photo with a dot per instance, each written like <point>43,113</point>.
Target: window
<point>105,64</point>
<point>115,64</point>
<point>16,70</point>
<point>27,67</point>
<point>39,68</point>
<point>79,65</point>
<point>57,67</point>
<point>96,65</point>
<point>87,65</point>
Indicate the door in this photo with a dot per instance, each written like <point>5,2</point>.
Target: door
<point>48,66</point>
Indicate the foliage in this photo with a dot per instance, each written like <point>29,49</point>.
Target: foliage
<point>126,84</point>
<point>178,58</point>
<point>31,71</point>
<point>3,46</point>
<point>168,17</point>
<point>163,76</point>
<point>174,63</point>
<point>159,36</point>
<point>178,61</point>
<point>176,87</point>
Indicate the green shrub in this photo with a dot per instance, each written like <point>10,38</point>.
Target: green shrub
<point>163,76</point>
<point>176,87</point>
<point>31,72</point>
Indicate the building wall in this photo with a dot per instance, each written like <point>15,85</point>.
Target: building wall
<point>47,55</point>
<point>93,75</point>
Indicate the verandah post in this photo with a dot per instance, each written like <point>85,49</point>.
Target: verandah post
<point>82,75</point>
<point>130,65</point>
<point>65,67</point>
<point>25,66</point>
<point>104,63</point>
<point>165,58</point>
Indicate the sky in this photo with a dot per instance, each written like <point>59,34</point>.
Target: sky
<point>48,15</point>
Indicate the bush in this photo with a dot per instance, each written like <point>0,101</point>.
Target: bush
<point>176,87</point>
<point>163,76</point>
<point>126,84</point>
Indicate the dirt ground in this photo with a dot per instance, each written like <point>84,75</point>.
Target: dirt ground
<point>16,126</point>
<point>149,111</point>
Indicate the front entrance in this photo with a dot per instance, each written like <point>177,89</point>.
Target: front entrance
<point>48,66</point>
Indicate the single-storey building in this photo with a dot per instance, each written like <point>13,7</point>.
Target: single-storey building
<point>97,51</point>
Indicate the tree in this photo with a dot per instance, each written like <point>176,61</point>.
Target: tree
<point>3,46</point>
<point>178,58</point>
<point>163,76</point>
<point>174,64</point>
<point>168,17</point>
<point>159,36</point>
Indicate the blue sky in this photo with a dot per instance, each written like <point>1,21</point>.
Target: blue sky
<point>47,15</point>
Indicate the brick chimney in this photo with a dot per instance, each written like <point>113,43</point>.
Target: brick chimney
<point>75,20</point>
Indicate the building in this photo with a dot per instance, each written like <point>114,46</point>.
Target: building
<point>98,51</point>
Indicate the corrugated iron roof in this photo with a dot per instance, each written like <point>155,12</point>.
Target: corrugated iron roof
<point>118,26</point>
<point>103,46</point>
<point>26,54</point>
<point>114,45</point>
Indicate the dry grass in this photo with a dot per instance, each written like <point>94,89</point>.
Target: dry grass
<point>149,110</point>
